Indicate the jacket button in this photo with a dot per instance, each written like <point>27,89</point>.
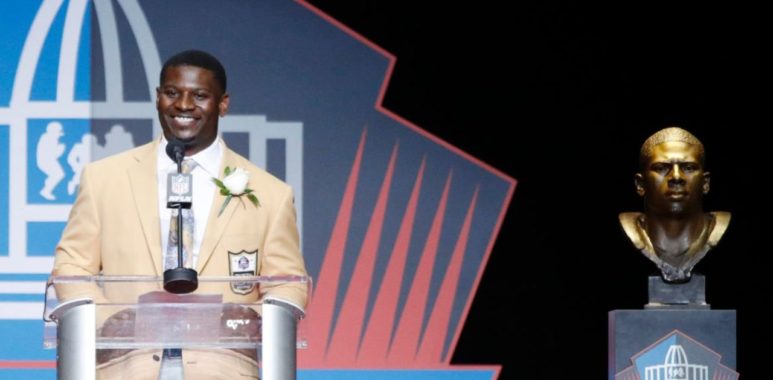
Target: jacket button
<point>156,358</point>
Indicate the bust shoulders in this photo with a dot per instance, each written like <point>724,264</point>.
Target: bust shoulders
<point>633,224</point>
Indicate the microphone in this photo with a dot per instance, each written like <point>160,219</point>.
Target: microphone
<point>175,149</point>
<point>179,280</point>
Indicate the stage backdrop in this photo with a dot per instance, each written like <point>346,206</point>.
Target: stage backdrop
<point>397,225</point>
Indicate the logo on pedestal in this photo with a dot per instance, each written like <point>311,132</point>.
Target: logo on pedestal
<point>676,356</point>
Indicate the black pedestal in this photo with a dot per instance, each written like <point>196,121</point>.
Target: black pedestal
<point>688,295</point>
<point>675,337</point>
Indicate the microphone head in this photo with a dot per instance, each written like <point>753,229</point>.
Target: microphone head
<point>175,149</point>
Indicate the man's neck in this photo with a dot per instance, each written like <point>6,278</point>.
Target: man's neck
<point>672,238</point>
<point>673,226</point>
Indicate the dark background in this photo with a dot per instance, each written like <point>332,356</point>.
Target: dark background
<point>560,96</point>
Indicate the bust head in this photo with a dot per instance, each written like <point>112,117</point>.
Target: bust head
<point>671,175</point>
<point>673,231</point>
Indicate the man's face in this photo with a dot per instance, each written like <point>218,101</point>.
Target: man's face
<point>189,102</point>
<point>673,181</point>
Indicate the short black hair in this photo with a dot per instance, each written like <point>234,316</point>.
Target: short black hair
<point>196,58</point>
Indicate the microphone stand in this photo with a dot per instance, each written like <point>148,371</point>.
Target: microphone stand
<point>180,263</point>
<point>179,280</point>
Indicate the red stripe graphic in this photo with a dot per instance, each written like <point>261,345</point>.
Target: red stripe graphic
<point>27,364</point>
<point>348,330</point>
<point>434,339</point>
<point>403,350</point>
<point>380,328</point>
<point>375,343</point>
<point>323,302</point>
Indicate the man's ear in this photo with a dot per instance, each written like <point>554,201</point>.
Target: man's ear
<point>706,180</point>
<point>638,180</point>
<point>223,106</point>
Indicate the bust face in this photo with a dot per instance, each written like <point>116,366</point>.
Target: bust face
<point>673,180</point>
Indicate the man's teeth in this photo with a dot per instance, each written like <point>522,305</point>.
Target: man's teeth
<point>183,118</point>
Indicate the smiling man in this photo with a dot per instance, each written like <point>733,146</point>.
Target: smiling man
<point>120,224</point>
<point>673,231</point>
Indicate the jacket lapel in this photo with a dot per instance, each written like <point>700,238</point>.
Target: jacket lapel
<point>144,189</point>
<point>216,225</point>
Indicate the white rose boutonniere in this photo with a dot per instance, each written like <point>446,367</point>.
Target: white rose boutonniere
<point>234,184</point>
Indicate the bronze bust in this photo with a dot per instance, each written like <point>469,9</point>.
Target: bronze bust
<point>673,231</point>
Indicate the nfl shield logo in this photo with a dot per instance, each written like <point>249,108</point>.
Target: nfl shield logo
<point>181,184</point>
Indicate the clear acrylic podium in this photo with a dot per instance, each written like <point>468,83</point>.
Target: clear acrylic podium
<point>93,320</point>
